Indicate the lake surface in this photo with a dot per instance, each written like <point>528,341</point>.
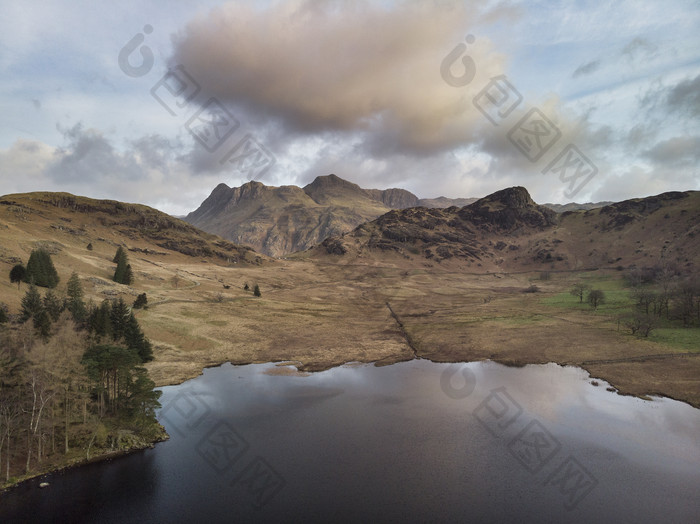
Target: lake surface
<point>411,442</point>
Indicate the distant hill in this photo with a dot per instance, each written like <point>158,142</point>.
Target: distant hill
<point>573,206</point>
<point>509,231</point>
<point>70,220</point>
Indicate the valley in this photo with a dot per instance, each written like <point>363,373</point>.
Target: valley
<point>320,310</point>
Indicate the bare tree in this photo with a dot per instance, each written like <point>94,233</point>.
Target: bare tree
<point>640,323</point>
<point>579,290</point>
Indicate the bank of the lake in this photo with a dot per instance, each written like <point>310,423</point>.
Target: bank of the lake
<point>77,458</point>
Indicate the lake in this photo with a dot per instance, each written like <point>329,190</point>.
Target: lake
<point>411,442</point>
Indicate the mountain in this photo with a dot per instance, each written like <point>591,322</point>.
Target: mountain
<point>280,220</point>
<point>509,231</point>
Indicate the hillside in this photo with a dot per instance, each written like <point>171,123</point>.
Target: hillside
<point>508,231</point>
<point>66,224</point>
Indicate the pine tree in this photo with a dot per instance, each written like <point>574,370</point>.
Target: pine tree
<point>135,339</point>
<point>40,268</point>
<point>3,313</point>
<point>42,323</point>
<point>31,303</point>
<point>256,291</point>
<point>100,321</point>
<point>18,274</point>
<point>75,304</point>
<point>123,273</point>
<point>119,255</point>
<point>52,305</point>
<point>119,317</point>
<point>128,276</point>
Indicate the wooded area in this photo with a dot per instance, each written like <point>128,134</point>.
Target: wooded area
<point>72,384</point>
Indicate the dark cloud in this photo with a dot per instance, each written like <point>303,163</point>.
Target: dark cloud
<point>586,69</point>
<point>88,156</point>
<point>684,97</point>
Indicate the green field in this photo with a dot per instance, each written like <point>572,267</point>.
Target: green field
<point>618,302</point>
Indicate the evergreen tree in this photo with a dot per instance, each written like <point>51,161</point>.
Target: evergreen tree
<point>110,368</point>
<point>143,400</point>
<point>42,323</point>
<point>40,268</point>
<point>52,305</point>
<point>119,255</point>
<point>75,304</point>
<point>128,276</point>
<point>18,274</point>
<point>246,287</point>
<point>123,273</point>
<point>256,291</point>
<point>31,303</point>
<point>135,339</point>
<point>100,322</point>
<point>119,317</point>
<point>3,313</point>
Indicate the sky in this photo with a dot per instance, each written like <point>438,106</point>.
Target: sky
<point>158,102</point>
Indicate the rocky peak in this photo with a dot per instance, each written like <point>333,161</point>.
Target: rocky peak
<point>508,209</point>
<point>511,197</point>
<point>394,198</point>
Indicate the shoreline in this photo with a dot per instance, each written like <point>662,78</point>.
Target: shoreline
<point>76,463</point>
<point>318,367</point>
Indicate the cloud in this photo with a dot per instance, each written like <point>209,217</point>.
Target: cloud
<point>344,67</point>
<point>148,169</point>
<point>677,151</point>
<point>586,69</point>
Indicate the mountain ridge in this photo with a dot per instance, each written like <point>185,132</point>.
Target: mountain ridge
<point>278,220</point>
<point>508,231</point>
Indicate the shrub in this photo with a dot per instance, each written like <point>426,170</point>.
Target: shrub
<point>18,274</point>
<point>141,301</point>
